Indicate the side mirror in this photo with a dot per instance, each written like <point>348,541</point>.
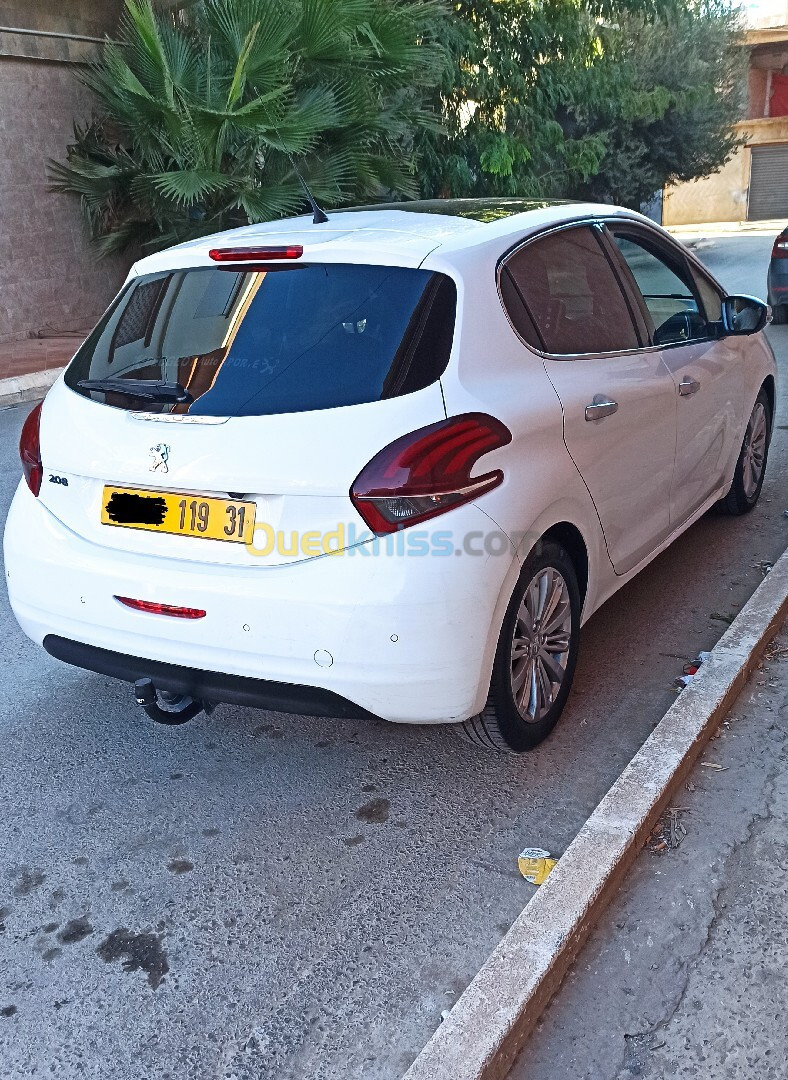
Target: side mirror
<point>680,327</point>
<point>744,315</point>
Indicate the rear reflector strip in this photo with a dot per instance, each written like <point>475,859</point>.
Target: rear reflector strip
<point>255,255</point>
<point>161,609</point>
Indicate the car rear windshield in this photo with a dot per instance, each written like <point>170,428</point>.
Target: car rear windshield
<point>224,342</point>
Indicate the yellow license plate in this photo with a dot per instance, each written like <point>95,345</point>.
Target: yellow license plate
<point>178,514</point>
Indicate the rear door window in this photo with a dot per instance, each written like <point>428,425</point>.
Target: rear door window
<point>254,343</point>
<point>573,303</point>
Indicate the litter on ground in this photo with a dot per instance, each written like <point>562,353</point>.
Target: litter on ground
<point>535,865</point>
<point>775,651</point>
<point>690,670</point>
<point>668,832</point>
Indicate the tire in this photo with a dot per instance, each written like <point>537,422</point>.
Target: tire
<point>779,314</point>
<point>751,465</point>
<point>547,580</point>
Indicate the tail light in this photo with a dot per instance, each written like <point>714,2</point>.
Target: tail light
<point>30,451</point>
<point>428,472</point>
<point>780,249</point>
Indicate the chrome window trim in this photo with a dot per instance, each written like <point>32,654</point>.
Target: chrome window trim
<point>693,262</point>
<point>603,222</point>
<point>662,236</point>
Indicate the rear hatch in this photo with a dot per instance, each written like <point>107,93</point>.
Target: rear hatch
<point>211,401</point>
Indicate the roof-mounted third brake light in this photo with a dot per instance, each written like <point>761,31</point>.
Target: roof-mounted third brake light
<point>256,254</point>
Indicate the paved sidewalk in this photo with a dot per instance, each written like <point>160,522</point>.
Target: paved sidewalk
<point>34,355</point>
<point>685,976</point>
<point>28,368</point>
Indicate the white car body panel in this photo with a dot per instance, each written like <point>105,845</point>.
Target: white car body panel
<point>626,459</point>
<point>377,616</point>
<point>411,639</point>
<point>708,429</point>
<point>298,468</point>
<point>397,238</point>
<point>510,382</point>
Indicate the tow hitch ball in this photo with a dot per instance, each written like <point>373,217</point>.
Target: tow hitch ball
<point>166,708</point>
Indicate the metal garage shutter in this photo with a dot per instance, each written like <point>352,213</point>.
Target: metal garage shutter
<point>768,183</point>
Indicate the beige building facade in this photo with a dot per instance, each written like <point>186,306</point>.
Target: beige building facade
<point>754,184</point>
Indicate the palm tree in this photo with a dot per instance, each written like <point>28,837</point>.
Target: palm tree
<point>204,111</point>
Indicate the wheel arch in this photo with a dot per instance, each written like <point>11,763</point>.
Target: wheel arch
<point>585,547</point>
<point>571,539</point>
<point>771,392</point>
<point>575,525</point>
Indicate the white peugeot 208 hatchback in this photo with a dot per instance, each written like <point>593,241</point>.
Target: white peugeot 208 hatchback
<point>385,465</point>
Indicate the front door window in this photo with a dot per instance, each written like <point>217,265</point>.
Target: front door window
<point>670,300</point>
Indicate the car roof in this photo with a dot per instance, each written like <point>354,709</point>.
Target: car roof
<point>399,234</point>
<point>483,210</point>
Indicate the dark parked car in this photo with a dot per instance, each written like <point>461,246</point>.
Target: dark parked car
<point>777,280</point>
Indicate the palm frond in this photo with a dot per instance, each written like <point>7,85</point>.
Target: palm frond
<point>189,186</point>
<point>263,204</point>
<point>140,25</point>
<point>201,115</point>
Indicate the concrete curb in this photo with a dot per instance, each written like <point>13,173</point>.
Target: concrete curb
<point>490,1022</point>
<point>727,228</point>
<point>27,387</point>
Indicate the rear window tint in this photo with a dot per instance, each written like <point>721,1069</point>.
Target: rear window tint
<point>258,342</point>
<point>572,299</point>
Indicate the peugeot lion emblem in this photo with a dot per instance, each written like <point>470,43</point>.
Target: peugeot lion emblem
<point>159,456</point>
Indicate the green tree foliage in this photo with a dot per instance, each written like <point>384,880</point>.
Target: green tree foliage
<point>200,111</point>
<point>583,98</point>
<point>677,87</point>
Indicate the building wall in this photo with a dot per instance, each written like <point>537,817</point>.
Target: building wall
<point>723,195</point>
<point>93,18</point>
<point>49,278</point>
<point>719,197</point>
<point>756,92</point>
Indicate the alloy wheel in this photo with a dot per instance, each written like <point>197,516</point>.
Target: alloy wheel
<point>540,644</point>
<point>754,455</point>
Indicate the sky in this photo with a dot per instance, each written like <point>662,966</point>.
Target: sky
<point>766,12</point>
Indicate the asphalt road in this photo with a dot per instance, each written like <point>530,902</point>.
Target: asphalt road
<point>265,896</point>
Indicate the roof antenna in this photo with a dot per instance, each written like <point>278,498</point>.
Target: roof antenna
<point>319,216</point>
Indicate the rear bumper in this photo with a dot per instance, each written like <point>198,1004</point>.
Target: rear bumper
<point>405,638</point>
<point>777,282</point>
<point>205,685</point>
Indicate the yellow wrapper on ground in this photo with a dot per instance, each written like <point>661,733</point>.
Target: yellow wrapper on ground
<point>535,865</point>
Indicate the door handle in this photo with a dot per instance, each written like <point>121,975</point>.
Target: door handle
<point>601,406</point>
<point>688,386</point>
